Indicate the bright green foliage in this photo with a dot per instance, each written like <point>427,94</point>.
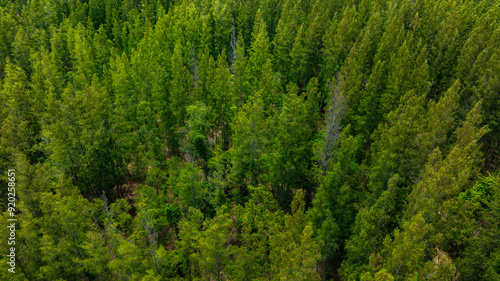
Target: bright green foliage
<point>298,56</point>
<point>381,275</point>
<point>404,254</point>
<point>190,187</point>
<point>219,172</point>
<point>20,130</point>
<point>270,89</point>
<point>249,142</point>
<point>8,29</point>
<point>476,229</point>
<point>477,68</point>
<point>82,144</point>
<point>440,117</point>
<point>260,50</point>
<point>213,249</point>
<point>339,39</point>
<point>360,74</point>
<point>459,164</point>
<point>196,144</point>
<point>256,222</point>
<point>62,230</point>
<point>21,49</point>
<point>46,78</point>
<point>293,250</point>
<point>221,101</point>
<point>319,14</point>
<point>393,149</point>
<point>242,87</point>
<point>80,49</point>
<point>407,73</point>
<point>285,34</point>
<point>407,131</point>
<point>370,228</point>
<point>189,235</point>
<point>291,163</point>
<point>313,103</point>
<point>181,87</point>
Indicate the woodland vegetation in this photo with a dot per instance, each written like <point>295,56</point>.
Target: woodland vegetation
<point>251,139</point>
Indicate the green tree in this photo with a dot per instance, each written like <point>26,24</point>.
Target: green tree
<point>21,127</point>
<point>291,159</point>
<point>286,31</point>
<point>181,91</point>
<point>83,144</point>
<point>257,220</point>
<point>260,50</point>
<point>241,87</point>
<point>189,235</point>
<point>249,144</point>
<point>221,102</point>
<point>294,252</point>
<point>339,39</point>
<point>7,35</point>
<point>214,252</point>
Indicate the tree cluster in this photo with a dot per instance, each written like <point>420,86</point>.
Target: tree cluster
<point>251,139</point>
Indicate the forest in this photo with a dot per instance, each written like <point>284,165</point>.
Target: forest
<point>250,140</point>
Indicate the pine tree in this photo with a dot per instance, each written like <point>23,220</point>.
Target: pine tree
<point>249,144</point>
<point>260,49</point>
<point>319,14</point>
<point>298,56</point>
<point>257,220</point>
<point>189,236</point>
<point>339,39</point>
<point>286,31</point>
<point>393,149</point>
<point>270,89</point>
<point>242,87</point>
<point>181,91</point>
<point>361,75</point>
<point>7,34</point>
<point>83,144</point>
<point>214,252</point>
<point>21,128</point>
<point>293,250</point>
<point>459,164</point>
<point>221,102</point>
<point>291,163</point>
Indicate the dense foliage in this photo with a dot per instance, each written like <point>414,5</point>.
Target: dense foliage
<point>251,139</point>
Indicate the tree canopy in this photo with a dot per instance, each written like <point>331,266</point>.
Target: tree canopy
<point>251,139</point>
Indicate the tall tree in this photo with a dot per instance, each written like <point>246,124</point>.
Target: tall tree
<point>260,49</point>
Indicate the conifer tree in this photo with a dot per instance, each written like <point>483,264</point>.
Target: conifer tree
<point>242,87</point>
<point>286,31</point>
<point>181,91</point>
<point>260,50</point>
<point>291,164</point>
<point>249,144</point>
<point>298,56</point>
<point>7,34</point>
<point>20,129</point>
<point>214,252</point>
<point>270,89</point>
<point>339,38</point>
<point>221,102</point>
<point>293,250</point>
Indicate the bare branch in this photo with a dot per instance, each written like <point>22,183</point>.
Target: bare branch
<point>233,44</point>
<point>336,108</point>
